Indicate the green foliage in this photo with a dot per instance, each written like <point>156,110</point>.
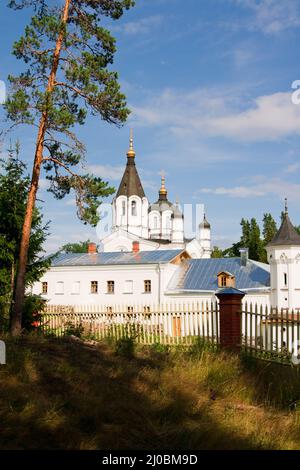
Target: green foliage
<point>125,347</point>
<point>200,345</point>
<point>251,238</point>
<point>80,247</point>
<point>72,329</point>
<point>216,252</point>
<point>32,313</point>
<point>269,228</point>
<point>254,241</point>
<point>14,186</point>
<point>160,348</point>
<point>83,83</point>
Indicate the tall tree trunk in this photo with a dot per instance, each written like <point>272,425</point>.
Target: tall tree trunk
<point>16,319</point>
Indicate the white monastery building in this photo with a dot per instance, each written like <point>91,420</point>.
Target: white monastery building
<point>146,260</point>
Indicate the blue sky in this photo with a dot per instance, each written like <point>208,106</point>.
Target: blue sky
<point>209,86</point>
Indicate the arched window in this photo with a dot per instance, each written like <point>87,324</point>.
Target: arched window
<point>133,208</point>
<point>123,207</point>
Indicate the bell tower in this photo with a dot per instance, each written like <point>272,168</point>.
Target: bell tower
<point>130,206</point>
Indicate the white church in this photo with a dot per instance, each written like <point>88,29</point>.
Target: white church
<point>147,260</point>
<point>157,226</point>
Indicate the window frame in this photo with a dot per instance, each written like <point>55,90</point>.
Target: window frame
<point>126,283</point>
<point>147,286</point>
<point>94,284</point>
<point>44,284</point>
<point>61,283</point>
<point>133,208</point>
<point>110,287</point>
<point>78,284</point>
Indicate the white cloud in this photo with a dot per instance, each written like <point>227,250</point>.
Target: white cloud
<point>264,187</point>
<point>113,173</point>
<point>238,191</point>
<point>71,202</point>
<point>43,184</point>
<point>271,117</point>
<point>142,26</point>
<point>293,168</point>
<point>215,113</point>
<point>272,16</point>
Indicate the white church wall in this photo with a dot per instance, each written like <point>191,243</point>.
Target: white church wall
<point>285,276</point>
<point>72,286</point>
<point>145,221</point>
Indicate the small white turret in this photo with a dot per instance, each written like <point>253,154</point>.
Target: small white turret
<point>205,237</point>
<point>284,258</point>
<point>177,225</point>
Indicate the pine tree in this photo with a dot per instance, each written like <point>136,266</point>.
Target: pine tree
<point>14,186</point>
<point>255,243</point>
<point>67,53</point>
<point>246,229</point>
<point>269,228</point>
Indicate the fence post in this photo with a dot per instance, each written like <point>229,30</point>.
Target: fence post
<point>230,304</point>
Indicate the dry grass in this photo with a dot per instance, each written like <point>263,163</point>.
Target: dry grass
<point>59,394</point>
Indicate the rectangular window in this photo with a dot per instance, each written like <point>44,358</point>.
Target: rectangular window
<point>109,310</point>
<point>147,285</point>
<point>110,287</point>
<point>223,281</point>
<point>44,287</point>
<point>76,287</point>
<point>59,287</point>
<point>129,309</point>
<point>94,287</point>
<point>285,279</point>
<point>128,289</point>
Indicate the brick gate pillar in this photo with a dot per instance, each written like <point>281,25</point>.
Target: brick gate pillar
<point>230,305</point>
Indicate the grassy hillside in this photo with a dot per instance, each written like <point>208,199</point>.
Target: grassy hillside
<point>60,394</point>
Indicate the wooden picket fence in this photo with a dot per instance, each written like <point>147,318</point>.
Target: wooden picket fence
<point>271,333</point>
<point>164,324</point>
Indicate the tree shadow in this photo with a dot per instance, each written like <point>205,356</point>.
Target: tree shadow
<point>57,394</point>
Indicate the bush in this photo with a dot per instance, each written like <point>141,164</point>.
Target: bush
<point>125,347</point>
<point>73,330</point>
<point>34,306</point>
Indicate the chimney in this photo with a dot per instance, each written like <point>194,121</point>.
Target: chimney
<point>92,248</point>
<point>135,247</point>
<point>244,256</point>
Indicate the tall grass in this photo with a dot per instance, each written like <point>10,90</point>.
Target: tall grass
<point>59,394</point>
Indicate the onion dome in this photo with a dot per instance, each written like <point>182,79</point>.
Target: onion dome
<point>204,223</point>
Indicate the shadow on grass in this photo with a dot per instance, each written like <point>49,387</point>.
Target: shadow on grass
<point>275,384</point>
<point>56,394</point>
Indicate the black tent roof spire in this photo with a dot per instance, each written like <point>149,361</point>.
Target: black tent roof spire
<point>287,234</point>
<point>131,184</point>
